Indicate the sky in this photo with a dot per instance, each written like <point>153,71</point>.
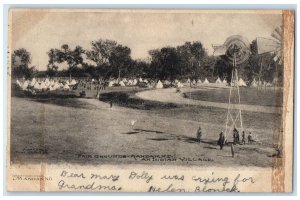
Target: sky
<point>40,30</point>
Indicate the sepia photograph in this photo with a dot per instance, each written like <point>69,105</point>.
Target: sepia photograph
<point>170,89</point>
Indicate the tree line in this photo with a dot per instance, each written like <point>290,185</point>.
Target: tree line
<point>108,59</point>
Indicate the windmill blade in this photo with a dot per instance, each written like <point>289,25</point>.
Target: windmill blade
<point>265,45</point>
<point>276,36</point>
<point>277,33</point>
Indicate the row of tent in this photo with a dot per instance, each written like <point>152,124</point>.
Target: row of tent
<point>51,84</point>
<point>128,82</point>
<point>46,84</point>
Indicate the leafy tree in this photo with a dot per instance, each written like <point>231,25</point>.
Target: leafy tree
<point>119,60</point>
<point>101,51</point>
<point>51,67</point>
<point>74,58</point>
<point>21,59</point>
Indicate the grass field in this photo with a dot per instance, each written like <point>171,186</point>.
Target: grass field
<point>252,96</point>
<point>76,130</point>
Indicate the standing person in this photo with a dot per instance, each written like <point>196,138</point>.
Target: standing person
<point>243,138</point>
<point>199,134</point>
<point>236,136</point>
<point>250,140</point>
<point>221,140</point>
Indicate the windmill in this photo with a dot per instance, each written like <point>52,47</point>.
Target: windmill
<point>271,45</point>
<point>237,50</point>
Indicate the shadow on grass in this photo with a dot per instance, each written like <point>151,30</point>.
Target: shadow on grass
<point>127,99</point>
<point>131,133</point>
<point>144,130</point>
<point>186,139</point>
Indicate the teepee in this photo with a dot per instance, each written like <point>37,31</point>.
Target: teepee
<point>134,82</point>
<point>206,81</point>
<point>242,83</point>
<point>55,86</point>
<point>66,87</point>
<point>37,86</point>
<point>254,83</point>
<point>25,85</point>
<point>129,82</point>
<point>111,83</point>
<point>179,85</point>
<point>43,85</point>
<point>122,83</point>
<point>18,83</point>
<point>73,82</point>
<point>218,81</point>
<point>32,83</point>
<point>159,85</point>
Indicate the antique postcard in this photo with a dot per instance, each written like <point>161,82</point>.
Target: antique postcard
<point>140,100</point>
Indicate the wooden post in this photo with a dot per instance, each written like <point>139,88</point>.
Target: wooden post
<point>232,150</point>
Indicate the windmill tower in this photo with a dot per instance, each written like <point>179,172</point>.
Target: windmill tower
<point>236,49</point>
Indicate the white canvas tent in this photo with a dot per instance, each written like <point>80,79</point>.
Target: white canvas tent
<point>206,81</point>
<point>56,86</point>
<point>269,84</point>
<point>43,85</point>
<point>18,83</point>
<point>66,87</point>
<point>254,83</point>
<point>218,81</point>
<point>129,82</point>
<point>199,81</point>
<point>51,88</point>
<point>242,83</point>
<point>25,85</point>
<point>37,86</point>
<point>122,83</point>
<point>32,83</point>
<point>159,85</point>
<point>111,83</point>
<point>73,82</point>
<point>134,82</point>
<point>224,82</point>
<point>179,85</point>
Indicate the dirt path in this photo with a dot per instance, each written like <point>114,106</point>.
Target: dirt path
<point>169,95</point>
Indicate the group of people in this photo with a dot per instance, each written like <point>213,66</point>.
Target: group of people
<point>236,138</point>
<point>222,139</point>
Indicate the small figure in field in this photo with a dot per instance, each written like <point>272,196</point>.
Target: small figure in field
<point>250,139</point>
<point>221,140</point>
<point>236,136</point>
<point>243,138</point>
<point>178,90</point>
<point>199,134</point>
<point>111,103</point>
